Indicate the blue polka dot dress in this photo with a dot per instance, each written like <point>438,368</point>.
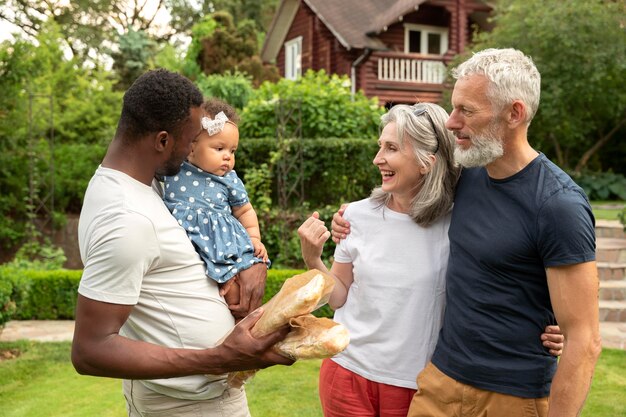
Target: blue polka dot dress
<point>201,202</point>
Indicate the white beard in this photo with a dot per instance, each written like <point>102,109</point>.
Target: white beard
<point>483,150</point>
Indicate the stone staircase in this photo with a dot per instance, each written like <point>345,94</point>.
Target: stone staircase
<point>611,258</point>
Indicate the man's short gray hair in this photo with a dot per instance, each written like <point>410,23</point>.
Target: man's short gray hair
<point>511,74</point>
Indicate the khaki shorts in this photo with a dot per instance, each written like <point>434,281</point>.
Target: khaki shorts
<point>438,395</point>
<point>142,402</point>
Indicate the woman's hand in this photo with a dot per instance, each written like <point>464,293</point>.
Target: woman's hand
<point>552,339</point>
<point>313,234</point>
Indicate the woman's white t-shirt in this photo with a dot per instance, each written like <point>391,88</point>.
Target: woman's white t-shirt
<point>395,305</point>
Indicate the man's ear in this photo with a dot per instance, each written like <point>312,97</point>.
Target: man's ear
<point>161,140</point>
<point>517,113</point>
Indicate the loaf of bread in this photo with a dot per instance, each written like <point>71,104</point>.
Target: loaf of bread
<point>299,295</point>
<point>313,338</point>
<point>310,337</point>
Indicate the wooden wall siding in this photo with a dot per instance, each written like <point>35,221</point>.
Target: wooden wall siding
<point>301,26</point>
<point>432,16</point>
<point>321,50</point>
<point>323,41</point>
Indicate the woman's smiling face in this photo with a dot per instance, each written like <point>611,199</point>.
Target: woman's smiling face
<point>398,165</point>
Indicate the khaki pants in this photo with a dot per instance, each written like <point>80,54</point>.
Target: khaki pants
<point>438,395</point>
<point>142,402</point>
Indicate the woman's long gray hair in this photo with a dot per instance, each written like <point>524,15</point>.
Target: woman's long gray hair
<point>436,194</point>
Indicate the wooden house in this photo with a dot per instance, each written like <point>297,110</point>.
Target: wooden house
<point>396,50</point>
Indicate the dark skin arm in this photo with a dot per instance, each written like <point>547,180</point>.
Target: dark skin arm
<point>251,289</point>
<point>99,350</point>
<point>552,338</point>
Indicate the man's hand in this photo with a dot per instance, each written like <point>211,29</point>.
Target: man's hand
<point>241,351</point>
<point>251,289</point>
<point>340,227</point>
<point>552,339</point>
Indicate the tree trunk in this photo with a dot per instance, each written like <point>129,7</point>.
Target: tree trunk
<point>557,149</point>
<point>582,163</point>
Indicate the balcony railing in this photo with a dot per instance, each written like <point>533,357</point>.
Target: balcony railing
<point>411,70</point>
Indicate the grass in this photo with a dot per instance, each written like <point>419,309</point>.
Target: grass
<point>607,210</point>
<point>41,382</point>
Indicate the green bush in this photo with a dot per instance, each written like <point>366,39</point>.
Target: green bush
<point>602,185</point>
<point>7,305</point>
<point>51,295</point>
<point>332,171</point>
<point>321,103</point>
<point>234,88</point>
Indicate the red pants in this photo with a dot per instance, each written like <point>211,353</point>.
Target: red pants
<point>346,394</point>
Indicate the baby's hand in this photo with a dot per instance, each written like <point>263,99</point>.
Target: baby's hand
<point>259,249</point>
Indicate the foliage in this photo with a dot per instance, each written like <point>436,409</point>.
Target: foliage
<point>7,305</point>
<point>234,88</point>
<point>202,29</point>
<point>169,56</point>
<point>579,47</point>
<point>622,217</point>
<point>47,103</point>
<point>218,46</point>
<point>84,25</point>
<point>322,103</point>
<point>132,59</point>
<point>332,170</point>
<point>186,13</point>
<point>27,294</point>
<point>602,185</point>
<point>37,255</point>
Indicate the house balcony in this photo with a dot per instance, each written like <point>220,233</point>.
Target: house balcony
<point>404,68</point>
<point>405,78</point>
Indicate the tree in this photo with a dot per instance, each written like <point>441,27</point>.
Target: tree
<point>133,57</point>
<point>87,27</point>
<point>85,110</point>
<point>579,48</point>
<point>218,46</point>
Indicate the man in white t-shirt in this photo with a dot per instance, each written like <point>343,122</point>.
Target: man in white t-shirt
<point>146,311</point>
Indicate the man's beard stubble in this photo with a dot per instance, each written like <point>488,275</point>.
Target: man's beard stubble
<point>484,148</point>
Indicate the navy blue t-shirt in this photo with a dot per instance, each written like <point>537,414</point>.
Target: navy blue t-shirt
<point>503,235</point>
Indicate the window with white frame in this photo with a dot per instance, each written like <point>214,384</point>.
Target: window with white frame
<point>422,39</point>
<point>293,58</point>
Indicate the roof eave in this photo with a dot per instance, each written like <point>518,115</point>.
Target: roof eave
<point>278,30</point>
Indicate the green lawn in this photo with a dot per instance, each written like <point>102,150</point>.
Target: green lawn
<point>607,210</point>
<point>42,383</point>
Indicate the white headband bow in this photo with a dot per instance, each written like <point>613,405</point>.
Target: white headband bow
<point>216,125</point>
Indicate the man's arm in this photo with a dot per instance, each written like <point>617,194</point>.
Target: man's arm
<point>99,350</point>
<point>574,296</point>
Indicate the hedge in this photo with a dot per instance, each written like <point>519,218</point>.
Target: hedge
<point>51,295</point>
<point>332,171</point>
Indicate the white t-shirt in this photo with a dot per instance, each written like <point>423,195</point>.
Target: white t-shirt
<point>395,305</point>
<point>135,253</point>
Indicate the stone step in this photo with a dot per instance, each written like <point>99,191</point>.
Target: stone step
<point>614,311</point>
<point>611,271</point>
<point>609,249</point>
<point>610,228</point>
<point>613,290</point>
<point>613,335</point>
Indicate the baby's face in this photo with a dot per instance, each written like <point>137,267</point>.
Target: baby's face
<point>216,154</point>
